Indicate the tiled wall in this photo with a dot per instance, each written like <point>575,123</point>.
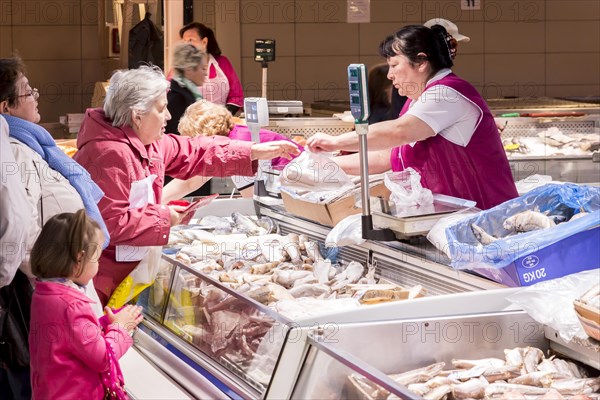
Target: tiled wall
<point>58,40</point>
<point>517,48</point>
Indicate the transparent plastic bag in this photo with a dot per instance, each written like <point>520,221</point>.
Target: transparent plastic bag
<point>406,188</point>
<point>313,172</point>
<point>551,302</point>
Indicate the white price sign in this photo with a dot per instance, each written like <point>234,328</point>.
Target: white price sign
<point>359,11</point>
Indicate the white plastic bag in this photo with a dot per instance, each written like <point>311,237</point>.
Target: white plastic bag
<point>313,172</point>
<point>346,232</point>
<point>406,188</point>
<point>437,234</point>
<point>551,302</point>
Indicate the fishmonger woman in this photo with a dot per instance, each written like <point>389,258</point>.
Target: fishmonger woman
<point>445,130</point>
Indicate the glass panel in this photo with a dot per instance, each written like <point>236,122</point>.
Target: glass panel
<point>327,378</point>
<point>154,298</point>
<point>229,329</point>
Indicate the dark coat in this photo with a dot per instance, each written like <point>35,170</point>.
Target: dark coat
<point>179,99</point>
<point>146,44</point>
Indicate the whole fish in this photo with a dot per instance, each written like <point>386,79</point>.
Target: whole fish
<point>220,225</point>
<point>482,236</point>
<point>532,357</point>
<point>528,221</point>
<point>419,375</point>
<point>501,388</point>
<point>488,362</point>
<point>245,225</point>
<point>471,389</point>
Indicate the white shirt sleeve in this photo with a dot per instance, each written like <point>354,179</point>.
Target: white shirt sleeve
<point>15,209</point>
<point>447,113</point>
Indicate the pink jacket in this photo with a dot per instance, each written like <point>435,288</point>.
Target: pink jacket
<point>115,157</point>
<point>67,345</point>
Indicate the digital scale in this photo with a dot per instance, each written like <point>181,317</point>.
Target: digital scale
<point>256,113</point>
<point>403,223</point>
<point>359,107</point>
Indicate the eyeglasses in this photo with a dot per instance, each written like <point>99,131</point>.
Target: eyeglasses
<point>32,92</point>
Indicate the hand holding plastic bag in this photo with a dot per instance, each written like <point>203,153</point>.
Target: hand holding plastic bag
<point>406,188</point>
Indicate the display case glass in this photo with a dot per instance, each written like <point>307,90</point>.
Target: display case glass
<point>461,356</point>
<point>331,373</point>
<point>239,334</point>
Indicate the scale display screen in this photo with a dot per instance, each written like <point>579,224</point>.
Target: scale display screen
<point>359,97</point>
<point>264,50</point>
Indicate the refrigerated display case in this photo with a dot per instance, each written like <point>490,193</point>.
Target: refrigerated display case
<point>212,339</point>
<point>216,342</point>
<point>353,367</point>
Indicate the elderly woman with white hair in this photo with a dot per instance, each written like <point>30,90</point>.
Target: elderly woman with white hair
<point>190,66</point>
<point>126,151</point>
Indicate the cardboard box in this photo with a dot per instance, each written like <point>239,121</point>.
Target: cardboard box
<point>328,214</point>
<point>99,94</point>
<point>579,252</point>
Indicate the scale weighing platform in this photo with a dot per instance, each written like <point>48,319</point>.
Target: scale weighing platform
<point>417,220</point>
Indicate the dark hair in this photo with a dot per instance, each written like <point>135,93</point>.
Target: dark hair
<point>62,240</point>
<point>11,70</point>
<point>434,42</point>
<point>212,47</point>
<point>378,82</point>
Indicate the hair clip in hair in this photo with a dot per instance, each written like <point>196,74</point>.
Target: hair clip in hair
<point>450,42</point>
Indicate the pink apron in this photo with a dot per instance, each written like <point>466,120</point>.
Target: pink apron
<point>478,171</point>
<point>215,89</point>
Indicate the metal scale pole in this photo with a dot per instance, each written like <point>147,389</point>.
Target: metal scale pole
<point>359,106</point>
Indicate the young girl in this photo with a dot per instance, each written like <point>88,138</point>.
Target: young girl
<point>72,356</point>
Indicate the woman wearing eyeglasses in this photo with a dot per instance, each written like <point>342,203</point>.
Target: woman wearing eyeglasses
<point>23,102</point>
<point>53,182</point>
<point>445,130</point>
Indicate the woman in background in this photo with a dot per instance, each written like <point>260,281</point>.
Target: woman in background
<point>222,85</point>
<point>189,72</point>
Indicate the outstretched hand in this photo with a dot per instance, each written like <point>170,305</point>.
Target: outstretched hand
<point>127,318</point>
<point>277,148</point>
<point>321,142</point>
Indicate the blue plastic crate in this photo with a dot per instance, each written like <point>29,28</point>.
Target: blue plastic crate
<point>580,252</point>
